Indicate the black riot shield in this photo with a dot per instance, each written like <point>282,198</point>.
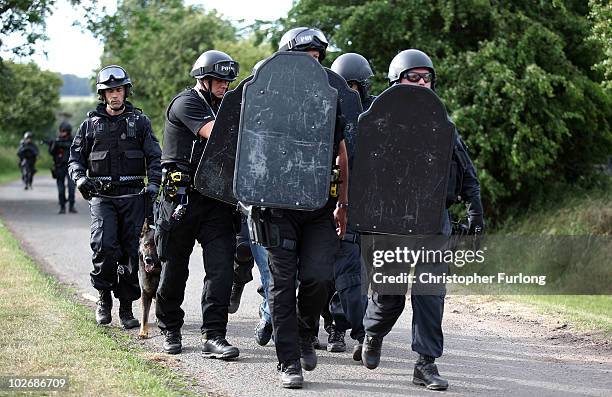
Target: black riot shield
<point>285,143</point>
<point>215,174</point>
<point>402,162</point>
<point>350,108</point>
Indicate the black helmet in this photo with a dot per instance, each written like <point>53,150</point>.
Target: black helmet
<point>28,135</point>
<point>409,59</point>
<point>216,64</point>
<point>65,126</point>
<point>303,39</point>
<point>113,76</point>
<point>353,67</point>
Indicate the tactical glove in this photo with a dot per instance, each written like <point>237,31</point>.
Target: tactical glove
<point>151,191</point>
<point>476,224</point>
<point>87,187</point>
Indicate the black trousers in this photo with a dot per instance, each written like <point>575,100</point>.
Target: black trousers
<point>61,174</point>
<point>348,304</point>
<point>311,263</point>
<point>209,222</point>
<point>427,310</point>
<point>115,229</point>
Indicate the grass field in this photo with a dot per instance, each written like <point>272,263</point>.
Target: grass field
<point>587,213</point>
<point>46,333</point>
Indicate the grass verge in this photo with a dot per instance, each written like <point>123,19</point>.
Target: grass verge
<point>46,333</point>
<point>586,213</point>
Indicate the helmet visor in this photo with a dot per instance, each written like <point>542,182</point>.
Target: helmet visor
<point>223,70</point>
<point>111,73</point>
<point>226,68</point>
<point>310,38</point>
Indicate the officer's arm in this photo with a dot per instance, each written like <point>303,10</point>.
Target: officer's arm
<point>79,152</point>
<point>342,162</point>
<point>152,151</point>
<point>206,129</point>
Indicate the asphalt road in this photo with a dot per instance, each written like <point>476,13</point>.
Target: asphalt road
<point>484,355</point>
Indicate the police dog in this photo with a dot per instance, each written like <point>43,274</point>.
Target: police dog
<point>148,274</point>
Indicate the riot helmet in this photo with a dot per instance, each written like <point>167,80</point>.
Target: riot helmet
<point>354,68</point>
<point>410,59</point>
<point>303,39</point>
<point>215,64</point>
<point>65,126</point>
<point>113,76</point>
<point>28,135</point>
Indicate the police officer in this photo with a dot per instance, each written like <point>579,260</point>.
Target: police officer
<point>415,67</point>
<point>347,304</point>
<point>112,154</point>
<point>59,149</point>
<point>27,153</point>
<point>184,215</point>
<point>309,244</point>
<point>357,72</point>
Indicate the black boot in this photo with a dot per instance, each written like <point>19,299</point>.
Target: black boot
<point>263,332</point>
<point>172,341</point>
<point>235,298</point>
<point>357,350</point>
<point>307,353</point>
<point>126,317</point>
<point>335,341</point>
<point>104,306</point>
<point>72,210</point>
<point>218,347</point>
<point>291,374</point>
<point>62,210</point>
<point>426,374</point>
<point>370,353</point>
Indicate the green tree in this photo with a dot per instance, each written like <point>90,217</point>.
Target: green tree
<point>28,101</point>
<point>517,78</point>
<point>601,14</point>
<point>158,42</point>
<point>26,18</point>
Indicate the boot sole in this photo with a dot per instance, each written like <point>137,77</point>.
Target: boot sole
<point>104,322</point>
<point>130,326</point>
<point>221,356</point>
<point>173,351</point>
<point>294,385</point>
<point>421,382</point>
<point>336,349</point>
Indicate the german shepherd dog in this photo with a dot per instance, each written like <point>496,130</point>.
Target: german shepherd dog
<point>148,274</point>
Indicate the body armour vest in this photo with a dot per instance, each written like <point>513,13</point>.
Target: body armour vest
<point>116,154</point>
<point>181,146</point>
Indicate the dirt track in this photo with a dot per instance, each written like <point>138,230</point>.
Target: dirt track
<point>487,351</point>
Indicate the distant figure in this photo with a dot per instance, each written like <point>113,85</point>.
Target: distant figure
<point>59,148</point>
<point>27,153</point>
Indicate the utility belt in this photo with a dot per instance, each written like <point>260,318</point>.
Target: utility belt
<point>335,182</point>
<point>261,229</point>
<point>176,186</point>
<point>126,184</point>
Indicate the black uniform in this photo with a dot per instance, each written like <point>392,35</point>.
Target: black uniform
<point>206,220</point>
<point>27,153</point>
<point>118,152</point>
<point>59,149</point>
<point>427,310</point>
<point>307,251</point>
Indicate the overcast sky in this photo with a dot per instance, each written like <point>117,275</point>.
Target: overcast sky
<point>71,51</point>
